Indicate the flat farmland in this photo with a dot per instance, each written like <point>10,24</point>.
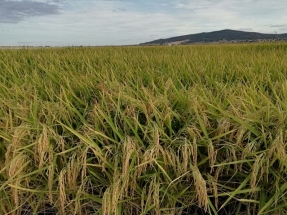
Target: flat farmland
<point>196,129</point>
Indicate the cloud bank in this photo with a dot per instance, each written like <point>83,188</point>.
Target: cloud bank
<point>16,11</point>
<point>119,22</point>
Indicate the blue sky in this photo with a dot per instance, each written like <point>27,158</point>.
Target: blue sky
<point>122,22</point>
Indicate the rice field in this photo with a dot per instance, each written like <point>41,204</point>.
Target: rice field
<point>144,130</point>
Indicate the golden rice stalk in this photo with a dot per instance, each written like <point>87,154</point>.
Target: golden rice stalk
<point>116,195</point>
<point>107,202</point>
<point>171,156</point>
<point>211,155</point>
<point>130,111</point>
<point>224,125</point>
<point>205,117</point>
<point>62,188</point>
<point>84,164</point>
<point>194,151</point>
<point>239,136</point>
<point>42,148</point>
<point>186,152</point>
<point>16,143</point>
<point>193,132</point>
<point>249,148</point>
<point>159,148</point>
<point>112,195</point>
<point>255,169</point>
<point>61,143</point>
<point>153,153</point>
<point>15,193</point>
<point>153,195</point>
<point>51,175</point>
<point>73,171</point>
<point>128,150</point>
<point>78,205</point>
<point>15,160</point>
<point>200,188</point>
<point>231,155</point>
<point>147,160</point>
<point>15,170</point>
<point>278,149</point>
<point>156,197</point>
<point>218,172</point>
<point>213,183</point>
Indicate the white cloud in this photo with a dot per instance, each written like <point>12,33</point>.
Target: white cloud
<point>88,22</point>
<point>15,11</point>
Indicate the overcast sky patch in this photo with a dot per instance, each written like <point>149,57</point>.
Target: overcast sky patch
<point>277,26</point>
<point>123,22</point>
<point>15,11</point>
<point>246,29</point>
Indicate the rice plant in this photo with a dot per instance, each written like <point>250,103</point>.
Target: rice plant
<point>144,130</point>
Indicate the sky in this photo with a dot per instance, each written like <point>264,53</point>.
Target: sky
<point>126,22</point>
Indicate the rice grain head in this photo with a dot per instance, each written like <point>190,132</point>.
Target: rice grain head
<point>62,197</point>
<point>16,142</point>
<point>128,150</point>
<point>117,193</point>
<point>200,188</point>
<point>213,184</point>
<point>194,151</point>
<point>186,152</point>
<point>51,175</point>
<point>255,170</point>
<point>84,163</point>
<point>73,171</point>
<point>156,197</point>
<point>239,136</point>
<point>211,155</point>
<point>42,148</point>
<point>278,149</point>
<point>107,201</point>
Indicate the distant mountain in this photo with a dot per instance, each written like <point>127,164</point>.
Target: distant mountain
<point>218,36</point>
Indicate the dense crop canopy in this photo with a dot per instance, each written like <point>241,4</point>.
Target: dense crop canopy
<point>144,130</point>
